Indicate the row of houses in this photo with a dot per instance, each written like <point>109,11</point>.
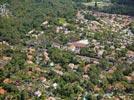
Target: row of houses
<point>77,45</point>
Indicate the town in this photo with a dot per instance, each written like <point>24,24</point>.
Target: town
<point>89,57</point>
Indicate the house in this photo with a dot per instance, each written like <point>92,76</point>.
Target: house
<point>130,54</point>
<point>62,29</point>
<point>102,76</point>
<point>31,50</point>
<point>37,93</point>
<point>29,62</point>
<point>77,45</point>
<point>130,57</point>
<point>119,86</point>
<point>85,41</point>
<point>29,57</point>
<point>86,68</point>
<point>112,70</point>
<point>7,81</point>
<point>44,23</point>
<point>4,43</point>
<point>45,54</point>
<point>95,61</point>
<point>71,47</point>
<point>96,88</point>
<point>2,91</point>
<point>100,53</point>
<point>109,89</point>
<point>55,85</point>
<point>116,98</point>
<point>72,66</point>
<point>51,64</point>
<point>4,60</point>
<point>85,77</point>
<point>79,16</point>
<point>132,74</point>
<point>108,95</point>
<point>30,32</point>
<point>66,31</point>
<point>58,67</point>
<point>43,79</point>
<point>50,98</point>
<point>56,45</point>
<point>129,78</point>
<point>34,36</point>
<point>58,72</point>
<point>58,29</point>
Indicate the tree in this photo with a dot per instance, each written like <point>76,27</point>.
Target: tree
<point>132,27</point>
<point>8,30</point>
<point>123,1</point>
<point>17,62</point>
<point>70,77</point>
<point>117,76</point>
<point>96,5</point>
<point>28,14</point>
<point>84,51</point>
<point>87,52</point>
<point>89,17</point>
<point>131,47</point>
<point>104,64</point>
<point>7,51</point>
<point>94,74</point>
<point>59,56</point>
<point>121,53</point>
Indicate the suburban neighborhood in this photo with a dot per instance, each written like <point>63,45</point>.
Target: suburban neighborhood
<point>89,56</point>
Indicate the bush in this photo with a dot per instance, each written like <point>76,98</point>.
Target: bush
<point>121,53</point>
<point>131,47</point>
<point>132,27</point>
<point>29,14</point>
<point>17,62</point>
<point>59,56</point>
<point>89,17</point>
<point>87,52</point>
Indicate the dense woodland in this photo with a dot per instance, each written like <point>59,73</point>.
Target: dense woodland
<point>25,15</point>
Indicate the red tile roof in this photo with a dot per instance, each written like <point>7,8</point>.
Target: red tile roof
<point>77,45</point>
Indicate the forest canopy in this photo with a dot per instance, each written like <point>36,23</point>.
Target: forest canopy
<point>25,15</point>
